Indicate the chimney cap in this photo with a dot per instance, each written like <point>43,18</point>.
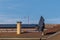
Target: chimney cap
<point>19,22</point>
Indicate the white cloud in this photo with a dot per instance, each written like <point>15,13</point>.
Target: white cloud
<point>8,21</point>
<point>53,21</point>
<point>11,19</point>
<point>4,19</point>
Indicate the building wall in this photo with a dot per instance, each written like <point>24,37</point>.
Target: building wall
<point>50,25</point>
<point>2,30</point>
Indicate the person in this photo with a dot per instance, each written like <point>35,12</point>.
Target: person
<point>41,25</point>
<point>42,29</point>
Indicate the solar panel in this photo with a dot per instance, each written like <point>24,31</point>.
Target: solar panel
<point>14,25</point>
<point>41,24</point>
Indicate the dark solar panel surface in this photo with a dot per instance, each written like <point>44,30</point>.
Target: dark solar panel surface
<point>14,25</point>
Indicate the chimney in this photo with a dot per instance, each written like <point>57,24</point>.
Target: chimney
<point>19,27</point>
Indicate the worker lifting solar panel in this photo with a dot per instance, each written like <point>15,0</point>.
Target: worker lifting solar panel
<point>41,24</point>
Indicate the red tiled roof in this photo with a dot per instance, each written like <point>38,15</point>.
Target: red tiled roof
<point>54,29</point>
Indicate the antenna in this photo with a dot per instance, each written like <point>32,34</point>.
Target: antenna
<point>28,19</point>
<point>19,19</point>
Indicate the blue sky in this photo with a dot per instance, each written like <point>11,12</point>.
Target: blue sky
<point>12,11</point>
